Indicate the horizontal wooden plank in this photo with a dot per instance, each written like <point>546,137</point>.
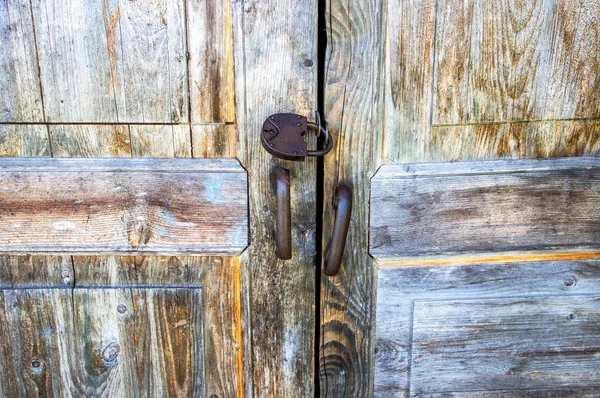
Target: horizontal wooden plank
<point>485,206</point>
<point>505,344</point>
<point>400,287</point>
<point>123,206</point>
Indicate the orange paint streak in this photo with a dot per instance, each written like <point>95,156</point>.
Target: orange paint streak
<point>238,326</point>
<point>502,258</point>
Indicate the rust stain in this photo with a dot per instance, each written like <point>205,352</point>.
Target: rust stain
<point>489,258</point>
<point>119,142</point>
<point>110,24</point>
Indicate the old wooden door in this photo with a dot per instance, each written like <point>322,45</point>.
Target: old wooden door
<point>169,79</point>
<point>411,81</point>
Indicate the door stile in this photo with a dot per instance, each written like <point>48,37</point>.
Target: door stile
<point>353,103</point>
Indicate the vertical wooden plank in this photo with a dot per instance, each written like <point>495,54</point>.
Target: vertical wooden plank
<point>37,335</point>
<point>112,61</point>
<point>277,47</point>
<point>90,140</point>
<point>354,108</point>
<point>213,140</point>
<point>502,60</point>
<point>408,77</point>
<point>24,140</point>
<point>223,302</point>
<point>79,74</point>
<point>20,96</point>
<point>139,341</point>
<point>151,60</point>
<point>571,83</point>
<point>210,61</point>
<point>452,51</point>
<point>166,141</point>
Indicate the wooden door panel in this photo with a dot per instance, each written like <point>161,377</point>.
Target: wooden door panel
<point>102,342</point>
<point>517,328</point>
<point>411,81</point>
<point>518,343</point>
<point>183,79</point>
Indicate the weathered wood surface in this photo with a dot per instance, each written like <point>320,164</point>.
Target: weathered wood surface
<point>353,103</point>
<point>131,65</point>
<point>506,343</point>
<point>526,321</point>
<point>278,45</point>
<point>102,342</point>
<point>485,207</point>
<point>461,80</point>
<point>501,61</point>
<point>20,97</point>
<point>117,61</point>
<point>125,206</point>
<point>490,79</point>
<point>210,28</point>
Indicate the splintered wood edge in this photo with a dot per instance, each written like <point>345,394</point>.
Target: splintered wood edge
<point>407,170</point>
<point>212,165</point>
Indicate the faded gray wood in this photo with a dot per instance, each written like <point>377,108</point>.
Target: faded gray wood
<point>482,207</point>
<point>427,287</point>
<point>112,61</point>
<point>501,60</point>
<point>101,342</point>
<point>505,344</point>
<point>123,206</point>
<point>20,97</point>
<point>155,140</point>
<point>24,140</point>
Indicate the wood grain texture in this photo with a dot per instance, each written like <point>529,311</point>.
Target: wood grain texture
<point>353,103</point>
<point>112,61</point>
<point>484,79</point>
<point>21,272</point>
<point>562,282</point>
<point>90,140</point>
<point>410,41</point>
<point>214,140</point>
<point>484,207</point>
<point>501,60</point>
<point>211,69</point>
<point>225,294</point>
<point>20,96</point>
<point>102,342</point>
<point>24,140</point>
<point>515,140</point>
<point>275,43</point>
<point>521,343</point>
<point>131,206</point>
<point>161,141</point>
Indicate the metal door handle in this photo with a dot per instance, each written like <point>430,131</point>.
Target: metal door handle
<point>335,248</point>
<point>284,215</point>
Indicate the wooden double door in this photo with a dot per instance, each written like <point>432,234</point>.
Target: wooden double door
<point>404,82</point>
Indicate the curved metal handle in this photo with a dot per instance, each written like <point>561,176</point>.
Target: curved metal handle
<point>284,215</point>
<point>343,209</point>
